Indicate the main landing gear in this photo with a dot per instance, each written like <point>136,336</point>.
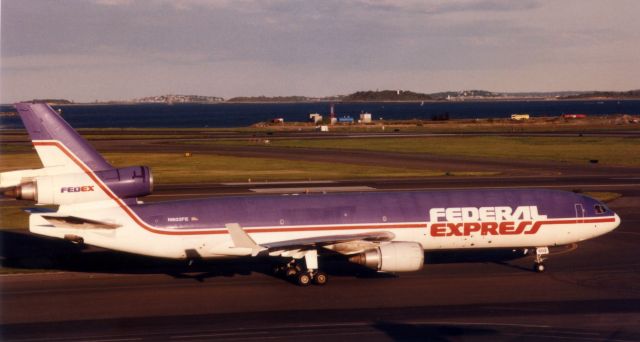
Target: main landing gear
<point>541,253</point>
<point>305,276</point>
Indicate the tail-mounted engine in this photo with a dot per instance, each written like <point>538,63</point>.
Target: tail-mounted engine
<point>128,182</point>
<point>392,257</point>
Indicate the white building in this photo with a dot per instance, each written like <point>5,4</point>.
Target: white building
<point>315,117</point>
<point>365,117</point>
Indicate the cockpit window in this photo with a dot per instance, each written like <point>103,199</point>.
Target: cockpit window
<point>600,209</point>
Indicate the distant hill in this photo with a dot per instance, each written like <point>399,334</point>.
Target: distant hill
<point>179,99</point>
<point>631,94</point>
<point>447,95</point>
<point>382,96</point>
<point>52,101</point>
<point>387,95</point>
<point>543,94</point>
<point>265,99</point>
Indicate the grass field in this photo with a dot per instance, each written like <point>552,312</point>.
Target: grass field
<point>176,168</point>
<point>607,150</point>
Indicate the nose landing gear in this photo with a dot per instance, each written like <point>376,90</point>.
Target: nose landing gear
<point>541,253</point>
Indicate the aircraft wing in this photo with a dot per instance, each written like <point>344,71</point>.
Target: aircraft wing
<point>344,244</point>
<point>78,222</point>
<point>321,241</point>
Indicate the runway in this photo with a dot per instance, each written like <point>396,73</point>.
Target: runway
<point>588,293</point>
<point>618,183</point>
<point>196,143</point>
<point>421,161</point>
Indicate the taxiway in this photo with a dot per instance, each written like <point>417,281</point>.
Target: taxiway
<point>590,292</point>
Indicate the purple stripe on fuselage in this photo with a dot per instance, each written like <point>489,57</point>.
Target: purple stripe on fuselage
<point>351,208</point>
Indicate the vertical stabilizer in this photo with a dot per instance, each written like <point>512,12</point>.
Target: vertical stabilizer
<point>54,139</point>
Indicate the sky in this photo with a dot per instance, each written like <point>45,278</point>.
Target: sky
<point>123,49</point>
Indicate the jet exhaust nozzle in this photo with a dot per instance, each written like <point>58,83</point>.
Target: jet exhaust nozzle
<point>25,191</point>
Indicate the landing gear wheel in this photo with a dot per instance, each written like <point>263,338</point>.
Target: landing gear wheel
<point>539,267</point>
<point>304,279</point>
<point>320,278</point>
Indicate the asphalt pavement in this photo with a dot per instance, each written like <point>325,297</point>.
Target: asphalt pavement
<point>589,292</point>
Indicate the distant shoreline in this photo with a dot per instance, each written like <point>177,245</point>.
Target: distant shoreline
<point>525,99</point>
<point>369,96</point>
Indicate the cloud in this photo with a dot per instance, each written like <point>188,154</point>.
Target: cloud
<point>114,2</point>
<point>440,7</point>
<point>331,46</point>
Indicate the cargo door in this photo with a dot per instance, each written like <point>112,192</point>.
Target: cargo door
<point>579,213</point>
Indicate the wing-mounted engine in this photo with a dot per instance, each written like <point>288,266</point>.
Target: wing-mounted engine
<point>392,257</point>
<point>70,188</point>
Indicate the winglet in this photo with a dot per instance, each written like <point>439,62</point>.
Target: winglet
<point>241,239</point>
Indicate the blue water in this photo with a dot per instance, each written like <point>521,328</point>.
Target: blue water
<point>239,115</point>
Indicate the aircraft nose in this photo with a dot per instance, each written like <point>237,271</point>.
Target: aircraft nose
<point>613,225</point>
<point>617,221</point>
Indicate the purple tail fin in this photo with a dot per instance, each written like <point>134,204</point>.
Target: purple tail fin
<point>45,125</point>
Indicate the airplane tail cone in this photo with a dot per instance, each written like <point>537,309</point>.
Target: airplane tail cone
<point>26,191</point>
<point>11,192</point>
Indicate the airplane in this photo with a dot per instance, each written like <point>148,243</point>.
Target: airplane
<point>98,204</point>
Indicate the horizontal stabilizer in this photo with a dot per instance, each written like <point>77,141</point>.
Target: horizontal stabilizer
<point>78,222</point>
<point>43,210</point>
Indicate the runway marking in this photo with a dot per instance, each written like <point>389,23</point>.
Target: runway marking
<point>221,334</point>
<point>191,194</point>
<point>519,309</point>
<point>32,273</point>
<point>114,339</point>
<point>521,187</point>
<point>84,339</point>
<point>310,189</point>
<point>355,188</point>
<point>480,323</point>
<point>602,338</point>
<point>280,183</point>
<point>264,334</point>
<point>369,188</point>
<point>306,334</point>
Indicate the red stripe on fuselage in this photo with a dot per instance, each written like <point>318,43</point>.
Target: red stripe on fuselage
<point>144,225</point>
<point>539,224</point>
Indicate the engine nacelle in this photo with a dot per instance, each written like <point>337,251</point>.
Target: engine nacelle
<point>126,182</point>
<point>392,257</point>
